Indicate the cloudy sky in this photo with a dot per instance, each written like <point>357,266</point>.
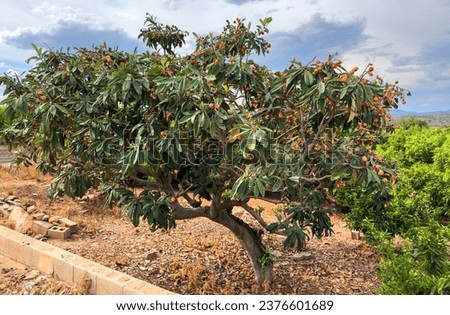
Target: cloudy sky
<point>406,40</point>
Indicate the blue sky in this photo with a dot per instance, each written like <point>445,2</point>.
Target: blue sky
<point>408,41</point>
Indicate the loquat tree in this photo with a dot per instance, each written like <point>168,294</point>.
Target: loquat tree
<point>205,132</point>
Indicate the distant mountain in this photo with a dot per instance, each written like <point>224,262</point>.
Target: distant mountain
<point>400,113</point>
<point>433,119</point>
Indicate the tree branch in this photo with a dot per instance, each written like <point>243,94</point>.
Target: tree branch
<point>194,203</point>
<point>182,213</point>
<point>142,182</point>
<point>145,170</point>
<point>183,192</point>
<point>288,132</point>
<point>255,214</point>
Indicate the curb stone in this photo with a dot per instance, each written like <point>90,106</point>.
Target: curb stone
<point>72,268</point>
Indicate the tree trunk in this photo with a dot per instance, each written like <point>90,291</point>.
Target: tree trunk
<point>251,241</point>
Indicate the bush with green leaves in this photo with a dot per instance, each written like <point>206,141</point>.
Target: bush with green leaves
<point>420,196</point>
<point>358,205</point>
<point>417,209</point>
<point>442,157</point>
<point>4,120</point>
<point>420,266</point>
<point>211,125</point>
<point>423,193</point>
<point>414,145</point>
<point>410,121</point>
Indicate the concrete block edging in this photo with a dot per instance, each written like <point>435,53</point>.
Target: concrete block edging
<point>72,268</point>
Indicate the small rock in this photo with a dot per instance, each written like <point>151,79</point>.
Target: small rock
<point>21,219</point>
<point>88,197</point>
<point>303,256</point>
<point>31,275</point>
<point>5,210</point>
<point>6,207</point>
<point>31,209</point>
<point>277,253</point>
<point>54,219</point>
<point>122,261</point>
<point>30,203</point>
<point>152,255</point>
<point>46,217</point>
<point>5,270</point>
<point>142,268</point>
<point>39,237</point>
<point>39,216</point>
<point>13,198</point>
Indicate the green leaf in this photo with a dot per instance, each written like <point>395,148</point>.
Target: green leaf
<point>271,169</point>
<point>309,78</point>
<point>244,189</point>
<point>210,77</point>
<point>276,184</point>
<point>126,85</point>
<point>201,120</point>
<point>136,215</point>
<point>351,116</point>
<point>338,173</point>
<point>273,227</point>
<point>290,241</point>
<point>237,184</point>
<point>354,177</point>
<point>343,92</point>
<point>321,87</point>
<point>219,122</point>
<point>251,144</point>
<point>61,108</point>
<point>137,86</point>
<point>261,188</point>
<point>372,177</point>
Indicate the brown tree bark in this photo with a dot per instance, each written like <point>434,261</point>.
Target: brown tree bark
<point>250,239</point>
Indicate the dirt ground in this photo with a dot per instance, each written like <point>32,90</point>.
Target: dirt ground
<point>19,279</point>
<point>197,257</point>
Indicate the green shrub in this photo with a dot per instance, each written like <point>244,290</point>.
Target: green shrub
<point>442,156</point>
<point>411,121</point>
<point>4,121</point>
<point>363,206</point>
<point>414,145</point>
<point>421,196</point>
<point>420,266</point>
<point>411,209</point>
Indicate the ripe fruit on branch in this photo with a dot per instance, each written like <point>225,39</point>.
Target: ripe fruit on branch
<point>354,69</point>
